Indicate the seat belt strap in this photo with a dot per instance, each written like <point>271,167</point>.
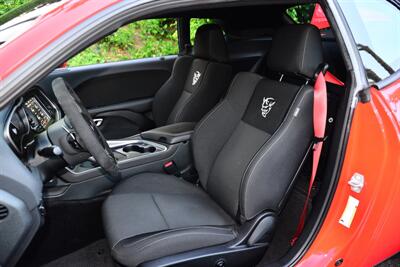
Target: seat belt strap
<point>319,118</point>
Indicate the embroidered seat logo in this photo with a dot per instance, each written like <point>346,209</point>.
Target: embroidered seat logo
<point>196,77</point>
<point>266,106</point>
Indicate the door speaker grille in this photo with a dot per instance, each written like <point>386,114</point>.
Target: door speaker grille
<point>3,212</point>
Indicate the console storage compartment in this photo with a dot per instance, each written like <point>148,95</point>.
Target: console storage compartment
<point>170,134</point>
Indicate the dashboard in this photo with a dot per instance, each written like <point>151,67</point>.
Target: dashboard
<point>32,114</point>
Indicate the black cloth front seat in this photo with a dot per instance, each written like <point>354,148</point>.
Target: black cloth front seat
<point>246,150</point>
<point>197,82</point>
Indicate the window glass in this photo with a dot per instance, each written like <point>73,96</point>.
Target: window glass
<point>375,25</point>
<point>301,14</point>
<point>141,39</point>
<point>195,23</point>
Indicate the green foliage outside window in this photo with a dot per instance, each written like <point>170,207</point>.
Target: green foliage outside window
<point>141,39</point>
<point>195,24</point>
<point>13,8</point>
<point>301,14</point>
<point>8,5</point>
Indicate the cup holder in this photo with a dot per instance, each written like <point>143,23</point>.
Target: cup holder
<point>139,149</point>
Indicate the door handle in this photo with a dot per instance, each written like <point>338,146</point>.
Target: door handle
<point>98,122</point>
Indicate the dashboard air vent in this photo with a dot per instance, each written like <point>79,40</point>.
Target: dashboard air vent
<point>3,212</point>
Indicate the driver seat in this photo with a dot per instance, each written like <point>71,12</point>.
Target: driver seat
<point>247,151</point>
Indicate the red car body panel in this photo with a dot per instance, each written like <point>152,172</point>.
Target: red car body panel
<point>45,30</point>
<point>372,150</point>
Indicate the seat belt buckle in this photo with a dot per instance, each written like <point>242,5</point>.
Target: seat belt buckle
<point>170,167</point>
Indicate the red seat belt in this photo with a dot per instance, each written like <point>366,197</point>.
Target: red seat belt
<point>319,117</point>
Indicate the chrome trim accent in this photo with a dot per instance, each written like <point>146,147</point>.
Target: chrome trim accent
<point>98,122</point>
<point>58,113</point>
<point>357,182</point>
<point>123,143</point>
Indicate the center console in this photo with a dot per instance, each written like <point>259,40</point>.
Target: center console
<point>146,152</point>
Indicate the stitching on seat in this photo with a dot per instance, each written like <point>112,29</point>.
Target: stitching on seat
<point>171,78</point>
<point>263,154</point>
<point>159,210</point>
<point>233,85</point>
<point>192,96</point>
<point>200,124</point>
<point>222,147</point>
<point>178,235</point>
<point>208,116</point>
<point>304,48</point>
<point>231,230</point>
<point>250,167</point>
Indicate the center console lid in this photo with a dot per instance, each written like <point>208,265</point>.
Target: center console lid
<point>170,134</point>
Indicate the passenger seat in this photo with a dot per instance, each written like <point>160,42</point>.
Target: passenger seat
<point>197,82</point>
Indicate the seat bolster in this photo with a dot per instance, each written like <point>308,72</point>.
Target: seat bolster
<point>199,97</point>
<point>288,145</point>
<point>136,250</point>
<point>170,91</point>
<point>213,131</point>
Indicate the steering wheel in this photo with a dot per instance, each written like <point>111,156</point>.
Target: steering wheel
<point>87,132</point>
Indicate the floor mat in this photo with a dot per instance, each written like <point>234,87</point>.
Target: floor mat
<point>94,255</point>
<point>69,226</point>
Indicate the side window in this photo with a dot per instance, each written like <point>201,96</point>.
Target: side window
<point>301,14</point>
<point>375,25</point>
<point>309,13</point>
<point>195,23</point>
<point>141,39</point>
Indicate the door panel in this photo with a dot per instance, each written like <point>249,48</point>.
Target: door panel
<point>104,90</point>
<point>119,94</point>
<point>121,120</point>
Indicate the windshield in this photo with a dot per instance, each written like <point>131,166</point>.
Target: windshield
<point>16,16</point>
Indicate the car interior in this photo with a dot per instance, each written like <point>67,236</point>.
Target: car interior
<point>196,159</point>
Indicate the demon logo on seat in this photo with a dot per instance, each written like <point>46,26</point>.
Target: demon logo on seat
<point>196,77</point>
<point>266,106</point>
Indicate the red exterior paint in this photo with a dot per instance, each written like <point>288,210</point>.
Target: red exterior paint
<point>319,19</point>
<point>373,150</point>
<point>46,30</point>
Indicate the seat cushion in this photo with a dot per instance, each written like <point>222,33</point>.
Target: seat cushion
<point>152,215</point>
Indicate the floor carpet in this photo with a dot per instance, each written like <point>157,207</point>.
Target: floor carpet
<point>94,255</point>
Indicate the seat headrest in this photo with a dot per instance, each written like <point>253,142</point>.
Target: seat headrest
<point>296,49</point>
<point>210,43</point>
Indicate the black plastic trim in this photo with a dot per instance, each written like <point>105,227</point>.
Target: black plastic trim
<point>236,253</point>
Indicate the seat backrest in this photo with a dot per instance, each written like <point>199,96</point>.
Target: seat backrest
<point>197,82</point>
<point>249,147</point>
